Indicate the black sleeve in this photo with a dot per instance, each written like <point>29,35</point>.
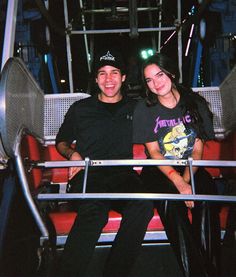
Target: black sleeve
<point>66,131</point>
<point>207,121</point>
<point>142,129</point>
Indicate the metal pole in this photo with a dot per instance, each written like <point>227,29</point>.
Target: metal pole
<point>190,160</point>
<point>10,29</point>
<point>119,31</point>
<point>159,32</point>
<point>68,49</point>
<point>85,36</point>
<point>179,41</point>
<point>121,9</point>
<point>153,36</point>
<point>133,19</point>
<point>136,196</point>
<point>85,174</point>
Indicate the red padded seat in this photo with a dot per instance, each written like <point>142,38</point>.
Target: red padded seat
<point>63,221</point>
<point>211,151</point>
<point>57,175</point>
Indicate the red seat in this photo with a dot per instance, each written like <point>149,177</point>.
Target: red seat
<point>63,222</point>
<point>57,175</point>
<point>212,152</point>
<point>63,219</point>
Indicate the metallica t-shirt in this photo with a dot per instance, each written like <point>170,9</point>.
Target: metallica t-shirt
<point>171,128</point>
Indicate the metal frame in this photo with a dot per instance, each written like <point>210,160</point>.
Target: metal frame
<point>86,32</point>
<point>108,237</point>
<point>9,34</point>
<point>25,186</point>
<point>154,196</point>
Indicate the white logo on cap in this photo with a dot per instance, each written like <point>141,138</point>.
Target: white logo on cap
<point>107,57</point>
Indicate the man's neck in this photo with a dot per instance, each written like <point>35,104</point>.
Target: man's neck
<point>110,100</point>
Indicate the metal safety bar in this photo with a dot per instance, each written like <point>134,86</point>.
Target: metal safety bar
<point>130,162</point>
<point>87,163</point>
<point>20,167</point>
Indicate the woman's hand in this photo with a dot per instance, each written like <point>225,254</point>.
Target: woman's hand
<point>183,188</point>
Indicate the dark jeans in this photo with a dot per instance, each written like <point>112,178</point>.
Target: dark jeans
<point>196,244</point>
<point>93,216</point>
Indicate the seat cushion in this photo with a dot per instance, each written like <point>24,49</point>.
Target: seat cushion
<point>63,221</point>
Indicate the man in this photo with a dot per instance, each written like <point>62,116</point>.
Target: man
<point>101,125</point>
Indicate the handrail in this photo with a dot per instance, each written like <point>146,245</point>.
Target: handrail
<point>87,163</point>
<point>136,162</point>
<point>25,188</point>
<point>137,196</point>
<point>139,162</point>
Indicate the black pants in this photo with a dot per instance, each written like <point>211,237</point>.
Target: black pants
<point>93,216</point>
<point>196,244</point>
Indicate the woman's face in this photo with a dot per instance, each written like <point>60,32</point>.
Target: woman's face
<point>157,81</point>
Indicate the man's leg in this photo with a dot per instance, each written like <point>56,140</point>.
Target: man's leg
<point>136,215</point>
<point>82,239</point>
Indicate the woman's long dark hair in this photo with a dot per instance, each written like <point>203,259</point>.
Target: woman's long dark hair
<point>190,98</point>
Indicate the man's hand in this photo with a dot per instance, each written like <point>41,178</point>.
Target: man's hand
<point>74,170</point>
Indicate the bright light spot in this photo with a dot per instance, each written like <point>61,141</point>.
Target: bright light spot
<point>146,53</point>
<point>46,58</point>
<point>63,81</point>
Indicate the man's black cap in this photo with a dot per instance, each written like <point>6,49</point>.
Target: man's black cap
<point>109,57</point>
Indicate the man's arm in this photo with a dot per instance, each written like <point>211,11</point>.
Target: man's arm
<point>71,154</point>
<point>65,149</point>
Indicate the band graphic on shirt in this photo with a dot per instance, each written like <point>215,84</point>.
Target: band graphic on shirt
<point>175,137</point>
<point>160,123</point>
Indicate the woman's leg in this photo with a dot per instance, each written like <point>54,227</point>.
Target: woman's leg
<point>206,222</point>
<point>174,216</point>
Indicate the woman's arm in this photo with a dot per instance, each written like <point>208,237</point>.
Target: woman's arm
<point>182,186</point>
<point>196,155</point>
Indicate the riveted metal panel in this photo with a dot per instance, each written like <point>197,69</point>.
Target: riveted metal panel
<point>21,104</point>
<point>228,95</point>
<point>55,108</point>
<point>213,97</point>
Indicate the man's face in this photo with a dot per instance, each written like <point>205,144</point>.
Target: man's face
<point>109,80</point>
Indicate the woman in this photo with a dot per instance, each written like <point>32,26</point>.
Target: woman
<point>173,122</point>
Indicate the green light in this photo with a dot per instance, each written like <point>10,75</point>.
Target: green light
<point>146,53</point>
